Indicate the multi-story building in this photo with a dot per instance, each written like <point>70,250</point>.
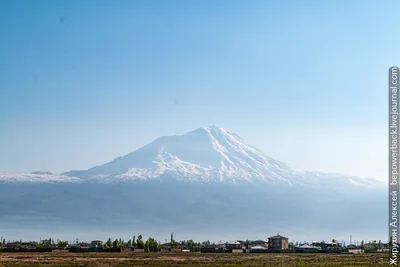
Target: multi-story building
<point>278,242</point>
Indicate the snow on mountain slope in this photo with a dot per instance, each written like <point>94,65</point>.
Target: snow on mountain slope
<point>335,179</point>
<point>208,154</point>
<point>35,178</point>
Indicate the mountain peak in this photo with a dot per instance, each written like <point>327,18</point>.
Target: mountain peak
<point>211,128</point>
<point>206,154</point>
<point>217,132</point>
<point>214,128</point>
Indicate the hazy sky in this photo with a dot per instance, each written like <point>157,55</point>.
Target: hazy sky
<point>83,82</point>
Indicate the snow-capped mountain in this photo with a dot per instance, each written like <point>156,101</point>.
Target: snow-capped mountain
<point>186,182</point>
<point>208,154</point>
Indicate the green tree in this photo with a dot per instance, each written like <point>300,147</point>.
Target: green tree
<point>108,243</point>
<point>40,246</point>
<point>206,243</point>
<point>44,245</point>
<point>174,244</point>
<point>151,245</point>
<point>139,242</point>
<point>190,243</point>
<point>62,244</point>
<point>116,243</point>
<point>134,242</point>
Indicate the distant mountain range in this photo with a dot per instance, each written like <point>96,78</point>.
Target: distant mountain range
<point>207,175</point>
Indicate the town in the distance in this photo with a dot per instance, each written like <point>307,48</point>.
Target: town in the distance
<point>273,244</point>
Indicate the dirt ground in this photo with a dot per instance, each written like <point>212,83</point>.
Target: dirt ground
<point>189,260</point>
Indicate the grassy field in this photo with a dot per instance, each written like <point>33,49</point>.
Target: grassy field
<point>190,260</point>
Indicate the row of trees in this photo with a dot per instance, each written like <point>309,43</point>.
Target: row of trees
<point>374,245</point>
<point>150,244</point>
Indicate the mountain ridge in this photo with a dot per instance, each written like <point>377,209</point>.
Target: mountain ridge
<point>206,154</point>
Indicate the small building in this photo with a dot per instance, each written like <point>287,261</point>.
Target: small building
<point>308,249</point>
<point>233,245</point>
<point>334,247</point>
<point>258,249</point>
<point>356,250</point>
<point>126,250</point>
<point>96,244</point>
<point>321,244</point>
<point>278,242</point>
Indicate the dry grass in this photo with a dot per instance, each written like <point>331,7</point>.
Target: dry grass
<point>189,260</point>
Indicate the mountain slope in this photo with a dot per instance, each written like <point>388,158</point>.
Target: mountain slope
<point>209,154</point>
<point>207,179</point>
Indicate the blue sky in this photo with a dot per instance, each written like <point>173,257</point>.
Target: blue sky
<point>83,82</point>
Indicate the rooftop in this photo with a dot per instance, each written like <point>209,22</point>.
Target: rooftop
<point>233,243</point>
<point>309,246</point>
<point>277,236</point>
<point>259,247</point>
